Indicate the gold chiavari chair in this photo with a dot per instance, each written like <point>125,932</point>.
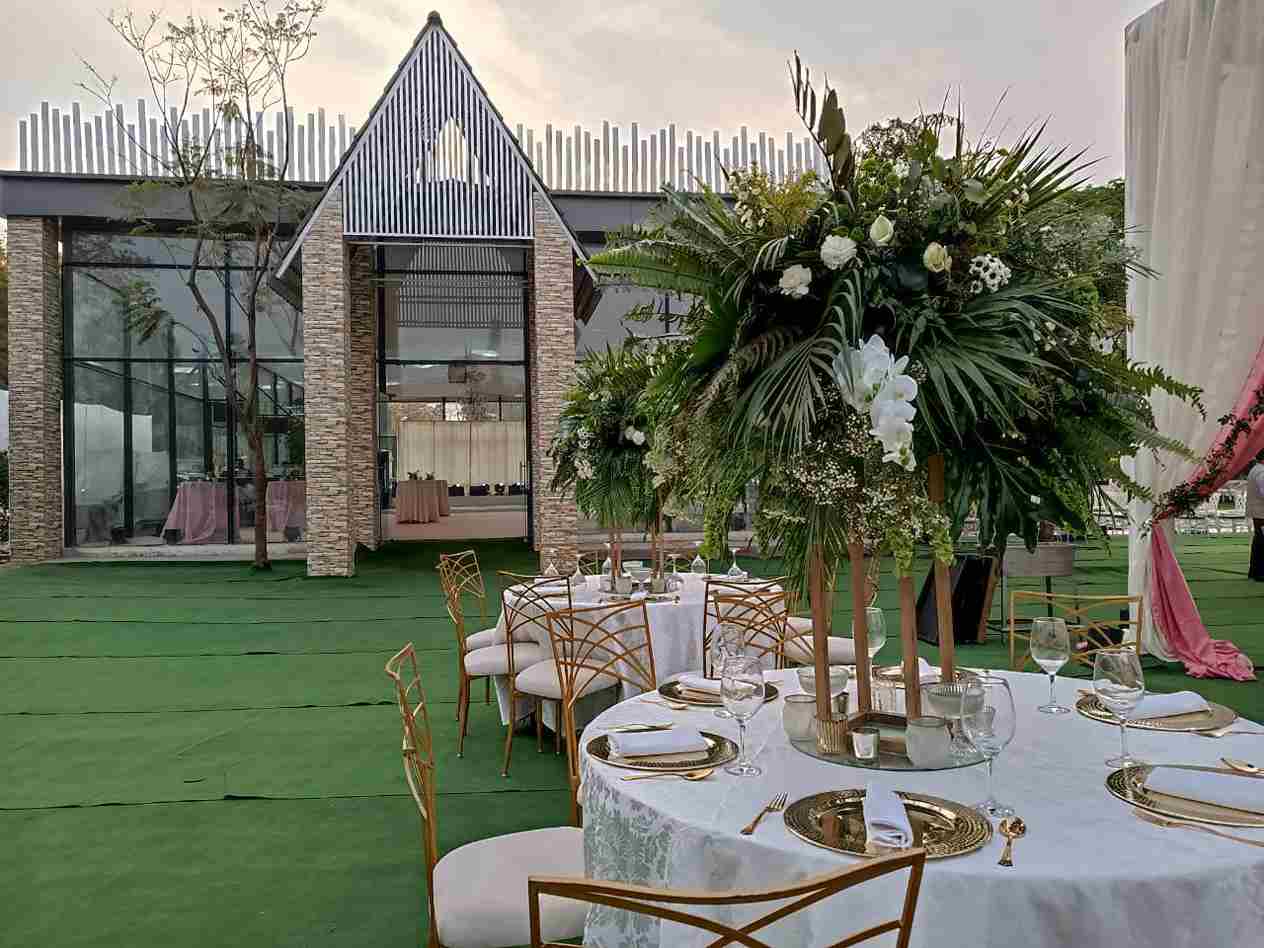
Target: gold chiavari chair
<point>475,891</point>
<point>464,574</point>
<point>526,601</point>
<point>589,561</point>
<point>1093,623</point>
<point>760,617</point>
<point>714,588</point>
<point>670,905</point>
<point>598,647</point>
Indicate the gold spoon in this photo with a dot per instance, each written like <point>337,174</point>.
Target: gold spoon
<point>1242,767</point>
<point>683,775</point>
<point>1012,828</point>
<point>674,705</point>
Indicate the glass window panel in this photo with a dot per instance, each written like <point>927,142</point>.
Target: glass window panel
<point>457,382</point>
<point>151,447</point>
<point>278,325</point>
<point>455,316</point>
<point>607,326</point>
<point>98,450</point>
<point>144,313</point>
<point>193,418</point>
<point>162,250</point>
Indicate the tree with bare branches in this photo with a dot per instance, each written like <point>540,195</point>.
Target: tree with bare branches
<point>232,193</point>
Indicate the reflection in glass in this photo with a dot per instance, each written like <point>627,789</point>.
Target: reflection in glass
<point>151,447</point>
<point>98,450</point>
<point>143,313</point>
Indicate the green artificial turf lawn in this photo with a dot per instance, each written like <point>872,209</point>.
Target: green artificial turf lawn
<point>196,754</point>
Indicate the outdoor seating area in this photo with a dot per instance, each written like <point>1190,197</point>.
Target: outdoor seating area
<point>219,751</point>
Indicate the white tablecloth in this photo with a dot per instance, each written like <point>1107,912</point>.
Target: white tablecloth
<point>1088,872</point>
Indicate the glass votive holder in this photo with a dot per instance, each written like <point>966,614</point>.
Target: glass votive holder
<point>797,717</point>
<point>864,743</point>
<point>831,734</point>
<point>927,741</point>
<point>623,585</point>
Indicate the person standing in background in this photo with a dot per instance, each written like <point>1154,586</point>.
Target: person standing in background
<point>1255,510</point>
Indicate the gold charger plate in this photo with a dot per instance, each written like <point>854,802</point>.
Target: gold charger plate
<point>1129,785</point>
<point>835,820</point>
<point>607,598</point>
<point>673,692</point>
<point>1219,716</point>
<point>720,750</point>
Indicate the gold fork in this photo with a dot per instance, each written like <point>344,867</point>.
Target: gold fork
<point>776,805</point>
<point>1179,824</point>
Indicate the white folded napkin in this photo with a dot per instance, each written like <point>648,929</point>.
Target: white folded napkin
<point>926,672</point>
<point>886,821</point>
<point>1232,790</point>
<point>654,743</point>
<point>707,686</point>
<point>1166,706</point>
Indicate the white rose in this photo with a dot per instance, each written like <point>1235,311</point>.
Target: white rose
<point>881,230</point>
<point>837,251</point>
<point>796,280</point>
<point>628,432</point>
<point>936,258</point>
<point>638,438</point>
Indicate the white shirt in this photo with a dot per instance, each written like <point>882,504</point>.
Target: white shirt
<point>1255,491</point>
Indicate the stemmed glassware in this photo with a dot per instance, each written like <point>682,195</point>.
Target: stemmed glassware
<point>727,643</point>
<point>988,720</point>
<point>876,627</point>
<point>607,566</point>
<point>944,698</point>
<point>675,581</point>
<point>735,571</point>
<point>1120,685</point>
<point>1051,648</point>
<point>742,690</point>
<point>699,565</point>
<point>550,561</point>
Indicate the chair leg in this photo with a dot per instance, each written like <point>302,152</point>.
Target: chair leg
<point>487,690</point>
<point>509,729</point>
<point>464,684</point>
<point>539,725</point>
<point>557,731</point>
<point>463,715</point>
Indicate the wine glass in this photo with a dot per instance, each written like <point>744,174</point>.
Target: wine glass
<point>727,642</point>
<point>1119,684</point>
<point>699,565</point>
<point>944,698</point>
<point>1051,648</point>
<point>607,566</point>
<point>988,720</point>
<point>676,581</point>
<point>742,690</point>
<point>550,564</point>
<point>735,571</point>
<point>876,628</point>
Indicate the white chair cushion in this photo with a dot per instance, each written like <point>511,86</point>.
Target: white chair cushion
<point>480,889</point>
<point>493,660</point>
<point>480,639</point>
<point>841,651</point>
<point>800,624</point>
<point>541,680</point>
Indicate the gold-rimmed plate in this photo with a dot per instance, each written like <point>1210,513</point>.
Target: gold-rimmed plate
<point>1217,717</point>
<point>836,820</point>
<point>672,691</point>
<point>720,750</point>
<point>1128,784</point>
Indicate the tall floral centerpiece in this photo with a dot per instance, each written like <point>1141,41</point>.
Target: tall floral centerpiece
<point>603,441</point>
<point>888,347</point>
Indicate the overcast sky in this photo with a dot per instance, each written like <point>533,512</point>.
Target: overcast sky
<point>710,64</point>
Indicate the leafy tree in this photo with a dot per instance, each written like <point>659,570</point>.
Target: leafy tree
<point>238,64</point>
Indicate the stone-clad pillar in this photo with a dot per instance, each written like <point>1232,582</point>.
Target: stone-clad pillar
<point>551,338</point>
<point>327,382</point>
<point>35,390</point>
<point>363,433</point>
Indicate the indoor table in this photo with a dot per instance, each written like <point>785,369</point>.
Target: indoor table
<point>200,512</point>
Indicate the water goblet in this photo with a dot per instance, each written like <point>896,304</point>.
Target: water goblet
<point>699,565</point>
<point>989,720</point>
<point>675,582</point>
<point>607,566</point>
<point>727,642</point>
<point>944,699</point>
<point>1120,685</point>
<point>550,561</point>
<point>742,690</point>
<point>735,571</point>
<point>1051,648</point>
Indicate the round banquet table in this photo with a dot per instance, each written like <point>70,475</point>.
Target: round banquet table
<point>1088,872</point>
<point>675,634</point>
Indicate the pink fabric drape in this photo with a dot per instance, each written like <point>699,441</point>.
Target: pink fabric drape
<point>1171,603</point>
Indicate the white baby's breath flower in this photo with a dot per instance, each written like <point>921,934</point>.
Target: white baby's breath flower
<point>837,251</point>
<point>796,281</point>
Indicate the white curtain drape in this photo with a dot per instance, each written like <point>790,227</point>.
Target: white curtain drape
<point>1195,199</point>
<point>463,452</point>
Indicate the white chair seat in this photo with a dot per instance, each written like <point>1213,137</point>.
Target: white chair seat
<point>480,890</point>
<point>493,660</point>
<point>541,681</point>
<point>480,639</point>
<point>801,625</point>
<point>841,651</point>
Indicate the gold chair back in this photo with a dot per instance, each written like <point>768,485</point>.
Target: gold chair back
<point>526,602</point>
<point>465,575</point>
<point>724,587</point>
<point>419,762</point>
<point>452,600</point>
<point>762,619</point>
<point>672,905</point>
<point>1090,620</point>
<point>610,640</point>
<point>589,561</point>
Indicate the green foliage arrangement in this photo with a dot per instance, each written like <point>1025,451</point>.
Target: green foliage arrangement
<point>932,296</point>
